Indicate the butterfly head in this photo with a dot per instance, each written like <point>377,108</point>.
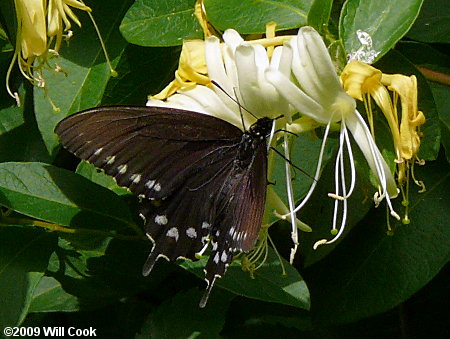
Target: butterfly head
<point>261,129</point>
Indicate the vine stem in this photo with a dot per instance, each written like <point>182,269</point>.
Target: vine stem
<point>7,221</point>
<point>434,76</point>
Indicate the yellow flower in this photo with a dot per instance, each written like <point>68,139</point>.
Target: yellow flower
<point>37,27</point>
<point>31,31</point>
<point>31,41</point>
<point>362,82</point>
<point>192,70</point>
<point>57,13</point>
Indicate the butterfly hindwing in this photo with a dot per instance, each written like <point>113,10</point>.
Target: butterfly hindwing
<point>239,211</point>
<point>180,225</point>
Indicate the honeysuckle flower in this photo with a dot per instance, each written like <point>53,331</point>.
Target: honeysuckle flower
<point>39,35</point>
<point>191,70</point>
<point>313,89</point>
<point>58,13</point>
<point>237,81</point>
<point>363,82</point>
<point>32,31</point>
<point>31,42</point>
<point>238,68</point>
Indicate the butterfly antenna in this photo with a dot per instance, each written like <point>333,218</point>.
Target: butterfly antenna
<point>272,133</point>
<point>291,163</point>
<point>234,99</point>
<point>240,109</point>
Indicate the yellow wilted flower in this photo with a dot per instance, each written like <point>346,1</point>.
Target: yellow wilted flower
<point>40,28</point>
<point>31,31</point>
<point>31,42</point>
<point>362,82</point>
<point>192,69</point>
<point>57,13</point>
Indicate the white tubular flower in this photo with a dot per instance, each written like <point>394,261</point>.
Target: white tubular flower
<point>314,90</point>
<point>238,67</point>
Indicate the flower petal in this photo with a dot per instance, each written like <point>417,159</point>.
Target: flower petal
<point>296,97</point>
<point>201,99</point>
<point>313,67</point>
<point>363,138</point>
<point>259,96</point>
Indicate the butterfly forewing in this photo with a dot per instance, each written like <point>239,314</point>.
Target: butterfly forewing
<point>143,148</point>
<point>201,180</point>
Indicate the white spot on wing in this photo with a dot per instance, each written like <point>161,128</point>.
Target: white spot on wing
<point>224,256</point>
<point>149,184</point>
<point>231,230</point>
<point>191,233</point>
<point>98,151</point>
<point>161,219</point>
<point>157,187</point>
<point>214,247</point>
<point>216,258</point>
<point>235,235</point>
<point>173,233</point>
<point>122,168</point>
<point>110,159</point>
<point>135,178</point>
<point>205,225</point>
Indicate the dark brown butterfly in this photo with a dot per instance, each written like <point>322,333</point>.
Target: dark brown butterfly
<point>201,180</point>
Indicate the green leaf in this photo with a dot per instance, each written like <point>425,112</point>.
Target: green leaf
<point>441,95</point>
<point>319,14</point>
<point>386,22</point>
<point>195,322</point>
<point>104,271</point>
<point>160,23</point>
<point>371,272</point>
<point>86,72</point>
<point>49,296</point>
<point>432,23</point>
<point>138,76</point>
<point>251,17</point>
<point>268,285</point>
<point>24,254</point>
<point>20,139</point>
<point>8,18</point>
<point>59,196</point>
<point>89,171</point>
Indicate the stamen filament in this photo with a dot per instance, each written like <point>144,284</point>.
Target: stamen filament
<point>379,169</point>
<point>318,169</point>
<point>199,254</point>
<point>277,253</point>
<point>290,193</point>
<point>108,61</point>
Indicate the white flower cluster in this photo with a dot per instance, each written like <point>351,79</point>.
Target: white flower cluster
<point>297,77</point>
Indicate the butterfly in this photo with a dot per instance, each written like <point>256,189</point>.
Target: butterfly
<point>201,180</point>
